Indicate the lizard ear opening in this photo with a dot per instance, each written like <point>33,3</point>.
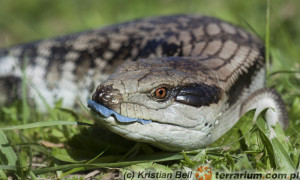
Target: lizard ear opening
<point>198,95</point>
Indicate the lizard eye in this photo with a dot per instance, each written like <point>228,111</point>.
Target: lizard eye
<point>160,93</point>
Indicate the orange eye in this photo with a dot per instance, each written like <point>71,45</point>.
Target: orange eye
<point>160,93</point>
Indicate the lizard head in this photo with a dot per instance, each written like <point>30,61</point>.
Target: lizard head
<point>176,102</point>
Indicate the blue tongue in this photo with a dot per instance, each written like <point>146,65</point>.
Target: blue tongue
<point>108,112</point>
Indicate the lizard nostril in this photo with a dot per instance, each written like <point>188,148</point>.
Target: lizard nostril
<point>106,95</point>
<point>102,97</point>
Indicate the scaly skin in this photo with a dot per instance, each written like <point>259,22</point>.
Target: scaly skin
<point>209,56</point>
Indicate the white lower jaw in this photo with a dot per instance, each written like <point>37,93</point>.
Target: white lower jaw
<point>178,127</point>
<point>165,136</point>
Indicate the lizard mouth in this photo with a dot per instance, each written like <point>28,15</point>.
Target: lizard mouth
<point>106,112</point>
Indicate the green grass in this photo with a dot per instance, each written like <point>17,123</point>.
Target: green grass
<point>52,149</point>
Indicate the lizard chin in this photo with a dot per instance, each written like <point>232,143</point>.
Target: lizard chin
<point>165,136</point>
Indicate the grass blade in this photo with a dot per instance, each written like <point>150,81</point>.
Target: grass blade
<point>25,109</point>
<point>275,149</point>
<point>267,38</point>
<point>82,168</point>
<point>8,156</point>
<point>39,124</point>
<point>156,158</point>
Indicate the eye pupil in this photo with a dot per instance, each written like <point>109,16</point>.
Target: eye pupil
<point>160,93</point>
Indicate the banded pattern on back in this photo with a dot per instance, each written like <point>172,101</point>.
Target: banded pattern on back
<point>71,66</point>
<point>187,78</point>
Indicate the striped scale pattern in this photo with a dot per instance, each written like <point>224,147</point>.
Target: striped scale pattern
<point>191,52</point>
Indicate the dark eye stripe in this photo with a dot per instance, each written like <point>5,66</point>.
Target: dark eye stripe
<point>198,95</point>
